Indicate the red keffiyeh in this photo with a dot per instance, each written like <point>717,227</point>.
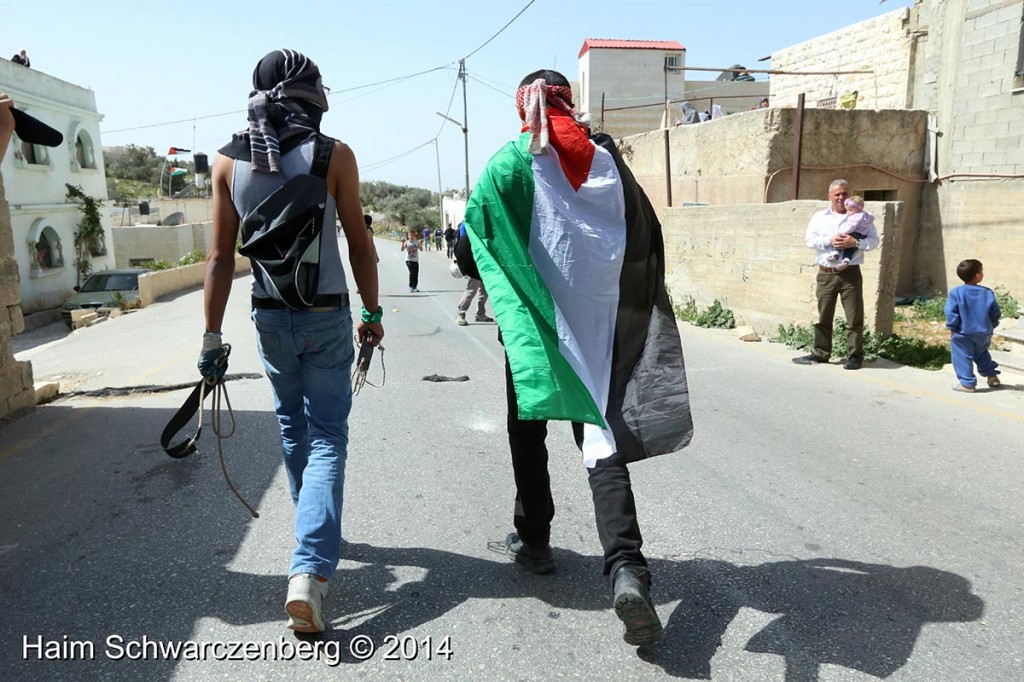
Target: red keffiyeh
<point>537,103</point>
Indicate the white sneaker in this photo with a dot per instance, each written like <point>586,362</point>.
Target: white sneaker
<point>845,263</point>
<point>304,603</point>
<point>461,321</point>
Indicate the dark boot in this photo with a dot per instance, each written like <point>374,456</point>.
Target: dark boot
<point>538,560</point>
<point>633,605</point>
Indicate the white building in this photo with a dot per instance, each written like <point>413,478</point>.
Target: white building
<point>43,221</point>
<point>624,83</point>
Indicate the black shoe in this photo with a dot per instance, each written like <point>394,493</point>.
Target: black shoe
<point>633,606</point>
<point>809,359</point>
<point>538,560</point>
<point>853,363</point>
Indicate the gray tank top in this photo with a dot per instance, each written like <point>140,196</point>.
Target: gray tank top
<point>248,189</point>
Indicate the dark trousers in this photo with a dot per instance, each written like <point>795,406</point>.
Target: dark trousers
<point>847,286</point>
<point>610,486</point>
<point>414,273</point>
<point>848,253</point>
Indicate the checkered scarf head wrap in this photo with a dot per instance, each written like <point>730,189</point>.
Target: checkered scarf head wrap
<point>533,100</point>
<point>288,100</point>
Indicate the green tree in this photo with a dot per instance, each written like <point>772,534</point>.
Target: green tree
<point>89,237</point>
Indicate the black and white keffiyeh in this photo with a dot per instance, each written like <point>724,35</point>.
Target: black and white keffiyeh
<point>288,100</point>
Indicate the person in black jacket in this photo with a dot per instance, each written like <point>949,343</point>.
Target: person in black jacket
<point>21,58</point>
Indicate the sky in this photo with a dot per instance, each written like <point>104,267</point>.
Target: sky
<point>178,73</point>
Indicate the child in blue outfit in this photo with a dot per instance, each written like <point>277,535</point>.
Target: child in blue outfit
<point>972,313</point>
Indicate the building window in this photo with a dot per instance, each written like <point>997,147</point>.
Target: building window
<point>34,154</point>
<point>672,61</point>
<point>880,195</point>
<point>84,151</point>
<point>49,252</point>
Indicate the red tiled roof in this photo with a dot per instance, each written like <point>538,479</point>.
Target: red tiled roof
<point>630,44</point>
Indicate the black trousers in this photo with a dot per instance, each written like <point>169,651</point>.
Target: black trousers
<point>414,273</point>
<point>610,486</point>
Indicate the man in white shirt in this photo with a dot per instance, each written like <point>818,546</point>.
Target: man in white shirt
<point>825,233</point>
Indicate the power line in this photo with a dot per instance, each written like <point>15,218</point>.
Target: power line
<point>245,111</point>
<point>499,31</point>
<point>488,85</point>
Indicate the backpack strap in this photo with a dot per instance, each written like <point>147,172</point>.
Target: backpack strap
<point>322,149</point>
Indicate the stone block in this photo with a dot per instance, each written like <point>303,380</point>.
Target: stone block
<point>746,333</point>
<point>21,401</point>
<point>46,391</point>
<point>17,320</point>
<point>26,374</point>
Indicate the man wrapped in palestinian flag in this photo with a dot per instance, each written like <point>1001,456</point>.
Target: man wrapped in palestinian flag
<point>571,251</point>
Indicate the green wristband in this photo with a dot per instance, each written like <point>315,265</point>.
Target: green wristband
<point>372,318</point>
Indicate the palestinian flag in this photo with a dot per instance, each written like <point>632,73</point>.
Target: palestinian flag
<point>570,251</point>
<point>178,171</point>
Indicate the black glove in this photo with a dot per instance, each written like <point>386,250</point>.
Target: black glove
<point>213,358</point>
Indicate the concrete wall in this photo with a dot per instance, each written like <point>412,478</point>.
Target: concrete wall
<point>150,242</point>
<point>752,258</point>
<point>154,285</point>
<point>963,67</point>
<point>16,392</point>
<point>882,45</point>
<point>37,189</point>
<point>747,158</point>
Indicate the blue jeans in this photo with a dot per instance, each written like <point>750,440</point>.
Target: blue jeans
<point>308,357</point>
<point>967,350</point>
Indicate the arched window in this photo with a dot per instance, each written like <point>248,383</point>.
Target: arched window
<point>84,151</point>
<point>45,248</point>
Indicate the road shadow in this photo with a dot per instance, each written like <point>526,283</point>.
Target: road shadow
<point>861,616</point>
<point>105,535</point>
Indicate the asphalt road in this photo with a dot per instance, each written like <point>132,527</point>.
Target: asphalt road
<point>823,525</point>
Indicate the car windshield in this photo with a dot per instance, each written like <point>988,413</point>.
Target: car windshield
<point>111,282</point>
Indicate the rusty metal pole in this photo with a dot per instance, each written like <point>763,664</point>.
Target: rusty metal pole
<point>798,145</point>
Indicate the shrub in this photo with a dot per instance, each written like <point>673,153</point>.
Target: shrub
<point>688,311</point>
<point>196,256</point>
<point>715,316</point>
<point>906,351</point>
<point>1008,305</point>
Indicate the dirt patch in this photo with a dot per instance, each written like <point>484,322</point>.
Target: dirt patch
<point>930,332</point>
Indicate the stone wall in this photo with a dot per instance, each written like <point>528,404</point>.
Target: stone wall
<point>150,242</point>
<point>881,45</point>
<point>747,158</point>
<point>753,259</point>
<point>964,73</point>
<point>16,392</point>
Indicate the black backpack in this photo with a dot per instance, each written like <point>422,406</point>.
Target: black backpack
<point>281,236</point>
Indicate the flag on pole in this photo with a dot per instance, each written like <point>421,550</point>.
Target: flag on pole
<point>177,150</point>
<point>175,171</point>
<point>570,250</point>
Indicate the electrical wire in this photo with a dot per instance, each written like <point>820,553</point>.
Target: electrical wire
<point>488,85</point>
<point>499,30</point>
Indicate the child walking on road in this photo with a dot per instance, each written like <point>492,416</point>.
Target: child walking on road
<point>972,313</point>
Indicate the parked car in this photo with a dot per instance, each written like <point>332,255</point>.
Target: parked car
<point>104,290</point>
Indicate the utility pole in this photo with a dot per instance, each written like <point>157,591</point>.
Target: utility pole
<point>465,120</point>
<point>440,196</point>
